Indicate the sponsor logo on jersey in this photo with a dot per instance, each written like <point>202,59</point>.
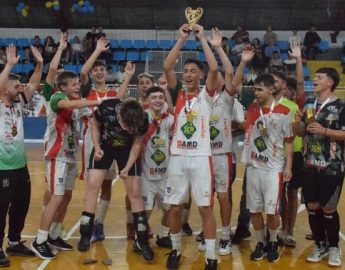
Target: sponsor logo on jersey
<point>258,157</point>
<point>187,144</point>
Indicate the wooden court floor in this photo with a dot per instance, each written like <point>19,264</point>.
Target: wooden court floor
<point>119,250</point>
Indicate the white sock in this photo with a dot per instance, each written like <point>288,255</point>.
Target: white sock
<point>129,216</point>
<point>210,252</point>
<point>102,211</point>
<point>260,235</point>
<point>84,220</point>
<point>225,235</point>
<point>42,236</point>
<point>54,232</point>
<point>176,242</point>
<point>164,231</point>
<point>11,244</point>
<point>273,235</point>
<point>185,215</point>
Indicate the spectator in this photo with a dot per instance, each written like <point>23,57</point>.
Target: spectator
<point>3,58</point>
<point>294,36</point>
<point>121,74</point>
<point>311,43</point>
<point>290,65</point>
<point>270,35</point>
<point>225,46</point>
<point>91,37</point>
<point>111,76</point>
<point>260,62</point>
<point>271,48</point>
<point>49,49</point>
<point>251,76</point>
<point>236,51</point>
<point>256,44</point>
<point>100,32</point>
<point>77,50</point>
<point>276,62</point>
<point>241,33</point>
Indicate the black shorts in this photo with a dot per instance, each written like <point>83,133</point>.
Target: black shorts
<point>320,187</point>
<point>120,155</point>
<point>297,171</point>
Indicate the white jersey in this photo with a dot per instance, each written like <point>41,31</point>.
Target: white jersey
<point>191,137</point>
<point>220,123</point>
<point>155,155</point>
<point>264,150</point>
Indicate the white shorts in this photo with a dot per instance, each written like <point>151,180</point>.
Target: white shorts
<point>222,166</point>
<point>185,173</point>
<point>264,189</point>
<point>60,175</point>
<point>153,191</point>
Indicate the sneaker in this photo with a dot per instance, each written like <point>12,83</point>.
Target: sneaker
<point>202,245</point>
<point>320,251</point>
<point>210,264</point>
<point>59,244</point>
<point>186,229</point>
<point>290,241</point>
<point>259,253</point>
<point>164,242</point>
<point>42,250</point>
<point>130,231</point>
<point>4,261</point>
<point>19,250</point>
<point>173,260</point>
<point>273,252</point>
<point>224,247</point>
<point>334,257</point>
<point>144,249</point>
<point>98,232</point>
<point>240,234</point>
<point>280,238</point>
<point>85,237</point>
<point>199,236</point>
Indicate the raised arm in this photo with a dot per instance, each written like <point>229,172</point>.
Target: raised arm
<point>102,46</point>
<point>130,70</point>
<point>173,55</point>
<point>12,59</point>
<point>95,136</point>
<point>54,64</point>
<point>247,56</point>
<point>296,53</point>
<point>76,104</point>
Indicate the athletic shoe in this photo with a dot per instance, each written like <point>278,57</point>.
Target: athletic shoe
<point>130,231</point>
<point>59,244</point>
<point>164,242</point>
<point>320,251</point>
<point>210,264</point>
<point>202,245</point>
<point>98,232</point>
<point>85,237</point>
<point>240,234</point>
<point>259,253</point>
<point>4,261</point>
<point>334,257</point>
<point>144,249</point>
<point>273,252</point>
<point>199,236</point>
<point>186,229</point>
<point>290,241</point>
<point>224,247</point>
<point>173,260</point>
<point>42,250</point>
<point>19,250</point>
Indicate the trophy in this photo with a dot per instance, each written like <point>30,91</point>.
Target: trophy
<point>310,115</point>
<point>193,15</point>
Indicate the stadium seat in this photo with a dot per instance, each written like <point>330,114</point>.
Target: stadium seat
<point>308,85</point>
<point>306,72</point>
<point>190,45</point>
<point>132,55</point>
<point>231,43</point>
<point>324,46</point>
<point>283,56</point>
<point>119,55</point>
<point>146,56</point>
<point>70,67</point>
<point>2,42</point>
<point>202,57</point>
<point>114,43</point>
<point>283,45</point>
<point>17,69</point>
<point>23,42</point>
<point>138,44</point>
<point>126,43</point>
<point>152,44</point>
<point>165,44</point>
<point>22,54</point>
<point>27,68</point>
<point>8,41</point>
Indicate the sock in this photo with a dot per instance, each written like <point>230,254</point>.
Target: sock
<point>260,236</point>
<point>332,225</point>
<point>225,235</point>
<point>102,210</point>
<point>164,231</point>
<point>317,225</point>
<point>55,230</point>
<point>14,243</point>
<point>42,236</point>
<point>86,218</point>
<point>210,252</point>
<point>176,242</point>
<point>185,215</point>
<point>273,235</point>
<point>129,216</point>
<point>140,223</point>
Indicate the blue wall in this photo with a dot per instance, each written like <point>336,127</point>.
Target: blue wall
<point>34,127</point>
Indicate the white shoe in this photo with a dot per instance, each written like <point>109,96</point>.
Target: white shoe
<point>224,247</point>
<point>334,257</point>
<point>202,245</point>
<point>317,254</point>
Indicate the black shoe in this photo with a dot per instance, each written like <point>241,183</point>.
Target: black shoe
<point>173,260</point>
<point>19,250</point>
<point>42,250</point>
<point>59,244</point>
<point>240,234</point>
<point>4,261</point>
<point>199,237</point>
<point>143,248</point>
<point>259,252</point>
<point>164,242</point>
<point>186,229</point>
<point>210,265</point>
<point>273,252</point>
<point>85,237</point>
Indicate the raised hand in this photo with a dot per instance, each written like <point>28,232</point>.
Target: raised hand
<point>63,41</point>
<point>102,44</point>
<point>248,53</point>
<point>184,31</point>
<point>217,36</point>
<point>11,56</point>
<point>198,31</point>
<point>130,68</point>
<point>295,49</point>
<point>38,57</point>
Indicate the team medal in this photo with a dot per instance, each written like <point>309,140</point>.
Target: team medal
<point>189,116</point>
<point>14,130</point>
<point>263,131</point>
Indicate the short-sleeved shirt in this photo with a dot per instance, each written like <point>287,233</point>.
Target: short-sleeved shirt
<point>266,151</point>
<point>112,133</point>
<point>12,150</point>
<point>321,152</point>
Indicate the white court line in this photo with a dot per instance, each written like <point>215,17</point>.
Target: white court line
<point>342,236</point>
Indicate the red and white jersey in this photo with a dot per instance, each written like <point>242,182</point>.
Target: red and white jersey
<point>265,149</point>
<point>191,137</point>
<point>220,123</point>
<point>155,154</point>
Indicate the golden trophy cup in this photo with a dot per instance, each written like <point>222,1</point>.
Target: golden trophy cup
<point>193,15</point>
<point>310,115</point>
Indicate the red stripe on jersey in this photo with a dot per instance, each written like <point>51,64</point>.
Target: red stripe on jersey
<point>83,167</point>
<point>52,175</point>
